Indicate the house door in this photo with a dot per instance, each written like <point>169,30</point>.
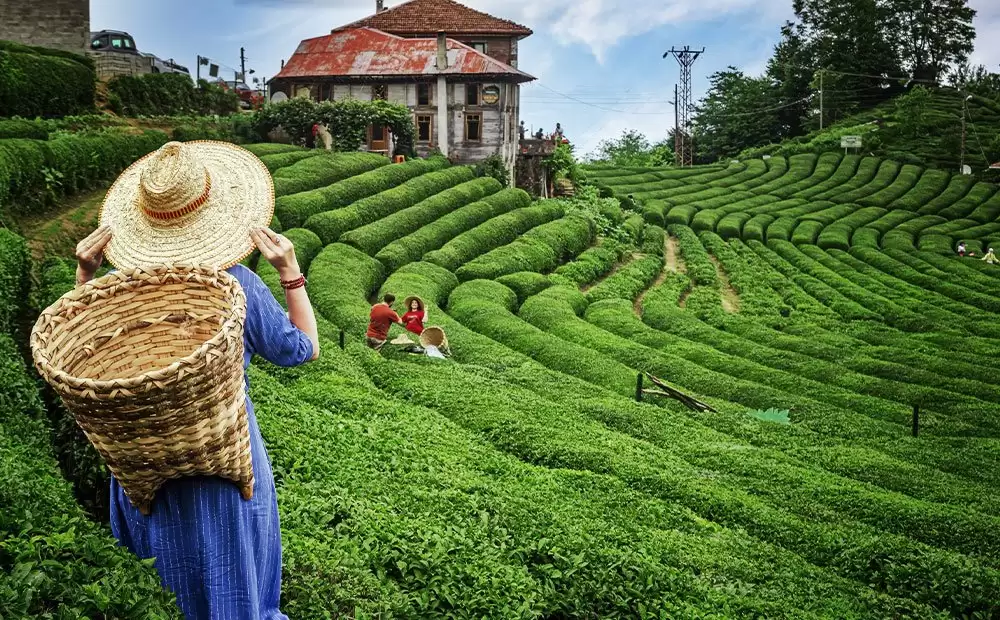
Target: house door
<point>378,138</point>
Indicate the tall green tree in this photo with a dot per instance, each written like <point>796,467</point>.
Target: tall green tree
<point>930,36</point>
<point>790,70</point>
<point>633,149</point>
<point>737,112</point>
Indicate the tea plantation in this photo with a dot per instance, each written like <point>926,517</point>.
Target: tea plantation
<point>521,478</point>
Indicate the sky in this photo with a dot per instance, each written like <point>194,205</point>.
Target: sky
<point>599,63</point>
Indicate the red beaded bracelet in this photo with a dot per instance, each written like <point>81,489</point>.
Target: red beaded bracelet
<point>298,282</point>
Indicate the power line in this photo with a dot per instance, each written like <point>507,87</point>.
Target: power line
<point>599,107</point>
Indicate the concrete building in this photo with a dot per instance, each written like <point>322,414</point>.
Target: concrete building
<point>58,24</point>
<point>462,88</point>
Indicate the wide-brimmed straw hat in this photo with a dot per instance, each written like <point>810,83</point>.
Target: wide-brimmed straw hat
<point>409,300</point>
<point>193,202</point>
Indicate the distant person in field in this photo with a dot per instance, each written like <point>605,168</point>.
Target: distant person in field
<point>991,258</point>
<point>522,130</point>
<point>381,319</point>
<point>961,248</point>
<point>558,135</point>
<point>415,316</point>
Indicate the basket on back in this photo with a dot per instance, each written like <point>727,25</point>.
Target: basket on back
<point>434,337</point>
<point>150,363</point>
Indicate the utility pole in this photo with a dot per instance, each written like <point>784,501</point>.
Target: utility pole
<point>678,143</point>
<point>243,65</point>
<point>821,100</point>
<point>965,113</point>
<point>686,59</point>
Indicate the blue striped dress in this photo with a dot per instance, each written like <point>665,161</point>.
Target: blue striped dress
<point>221,554</point>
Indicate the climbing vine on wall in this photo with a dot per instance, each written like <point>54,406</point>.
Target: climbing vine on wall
<point>348,121</point>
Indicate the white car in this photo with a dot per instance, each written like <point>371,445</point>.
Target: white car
<point>165,66</point>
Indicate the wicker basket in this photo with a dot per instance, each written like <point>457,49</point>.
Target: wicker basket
<point>434,337</point>
<point>150,363</point>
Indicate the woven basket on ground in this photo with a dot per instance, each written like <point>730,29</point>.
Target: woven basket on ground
<point>434,337</point>
<point>150,363</point>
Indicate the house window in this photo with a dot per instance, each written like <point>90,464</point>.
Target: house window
<point>480,47</point>
<point>380,92</point>
<point>473,127</point>
<point>423,94</point>
<point>472,92</point>
<point>424,128</point>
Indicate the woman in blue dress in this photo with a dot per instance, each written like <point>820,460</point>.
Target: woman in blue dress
<point>218,553</point>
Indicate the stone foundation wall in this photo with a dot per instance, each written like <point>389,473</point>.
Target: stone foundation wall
<point>58,24</point>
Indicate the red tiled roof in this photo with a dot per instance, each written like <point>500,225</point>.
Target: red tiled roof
<point>366,52</point>
<point>429,17</point>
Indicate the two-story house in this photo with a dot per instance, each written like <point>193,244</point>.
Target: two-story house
<point>461,86</point>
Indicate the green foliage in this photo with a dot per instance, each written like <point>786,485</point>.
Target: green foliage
<point>347,119</point>
<point>452,226</point>
<point>540,249</point>
<point>41,82</point>
<point>633,149</point>
<point>295,209</point>
<point>330,225</point>
<point>561,164</point>
<point>168,94</point>
<point>495,167</point>
<point>322,170</point>
<point>779,416</point>
<point>34,173</point>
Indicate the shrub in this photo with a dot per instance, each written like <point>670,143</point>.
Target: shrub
<point>731,226</point>
<point>654,240</point>
<point>295,209</point>
<point>40,82</point>
<point>806,232</point>
<point>680,215</point>
<point>781,228</point>
<point>590,265</point>
<point>629,281</point>
<point>20,128</point>
<point>434,235</point>
<point>540,249</point>
<point>347,119</point>
<point>373,237</point>
<point>13,278</point>
<point>699,267</point>
<point>284,160</point>
<point>34,172</point>
<point>331,225</point>
<point>756,226</point>
<point>706,220</point>
<point>168,94</point>
<point>525,284</point>
<point>494,233</point>
<point>325,169</point>
<point>341,279</point>
<point>494,166</point>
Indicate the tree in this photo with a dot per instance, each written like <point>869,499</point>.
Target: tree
<point>790,71</point>
<point>931,36</point>
<point>737,112</point>
<point>977,79</point>
<point>633,149</point>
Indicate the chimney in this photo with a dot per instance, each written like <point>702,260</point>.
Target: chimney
<point>442,51</point>
<point>379,6</point>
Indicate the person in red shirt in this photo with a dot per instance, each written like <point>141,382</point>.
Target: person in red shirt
<point>415,316</point>
<point>381,319</point>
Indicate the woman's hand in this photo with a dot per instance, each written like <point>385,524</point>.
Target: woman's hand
<point>278,251</point>
<point>90,254</point>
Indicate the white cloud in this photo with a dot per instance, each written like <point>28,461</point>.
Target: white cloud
<point>987,23</point>
<point>601,24</point>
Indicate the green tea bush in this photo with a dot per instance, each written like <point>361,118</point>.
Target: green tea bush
<point>699,267</point>
<point>33,173</point>
<point>41,82</point>
<point>731,226</point>
<point>494,233</point>
<point>13,278</point>
<point>806,232</point>
<point>21,128</point>
<point>525,284</point>
<point>341,279</point>
<point>756,226</point>
<point>629,281</point>
<point>325,169</point>
<point>374,236</point>
<point>781,228</point>
<point>654,241</point>
<point>681,215</point>
<point>540,249</point>
<point>155,94</point>
<point>436,234</point>
<point>284,160</point>
<point>590,265</point>
<point>331,225</point>
<point>706,220</point>
<point>294,210</point>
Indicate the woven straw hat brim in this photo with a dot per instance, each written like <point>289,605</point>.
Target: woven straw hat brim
<point>409,300</point>
<point>217,234</point>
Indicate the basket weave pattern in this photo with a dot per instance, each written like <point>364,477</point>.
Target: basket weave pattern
<point>434,336</point>
<point>150,363</point>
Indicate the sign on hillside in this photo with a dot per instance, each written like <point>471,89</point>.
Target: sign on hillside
<point>850,142</point>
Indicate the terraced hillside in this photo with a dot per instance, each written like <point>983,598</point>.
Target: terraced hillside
<point>522,479</point>
<point>833,200</point>
<point>924,128</point>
